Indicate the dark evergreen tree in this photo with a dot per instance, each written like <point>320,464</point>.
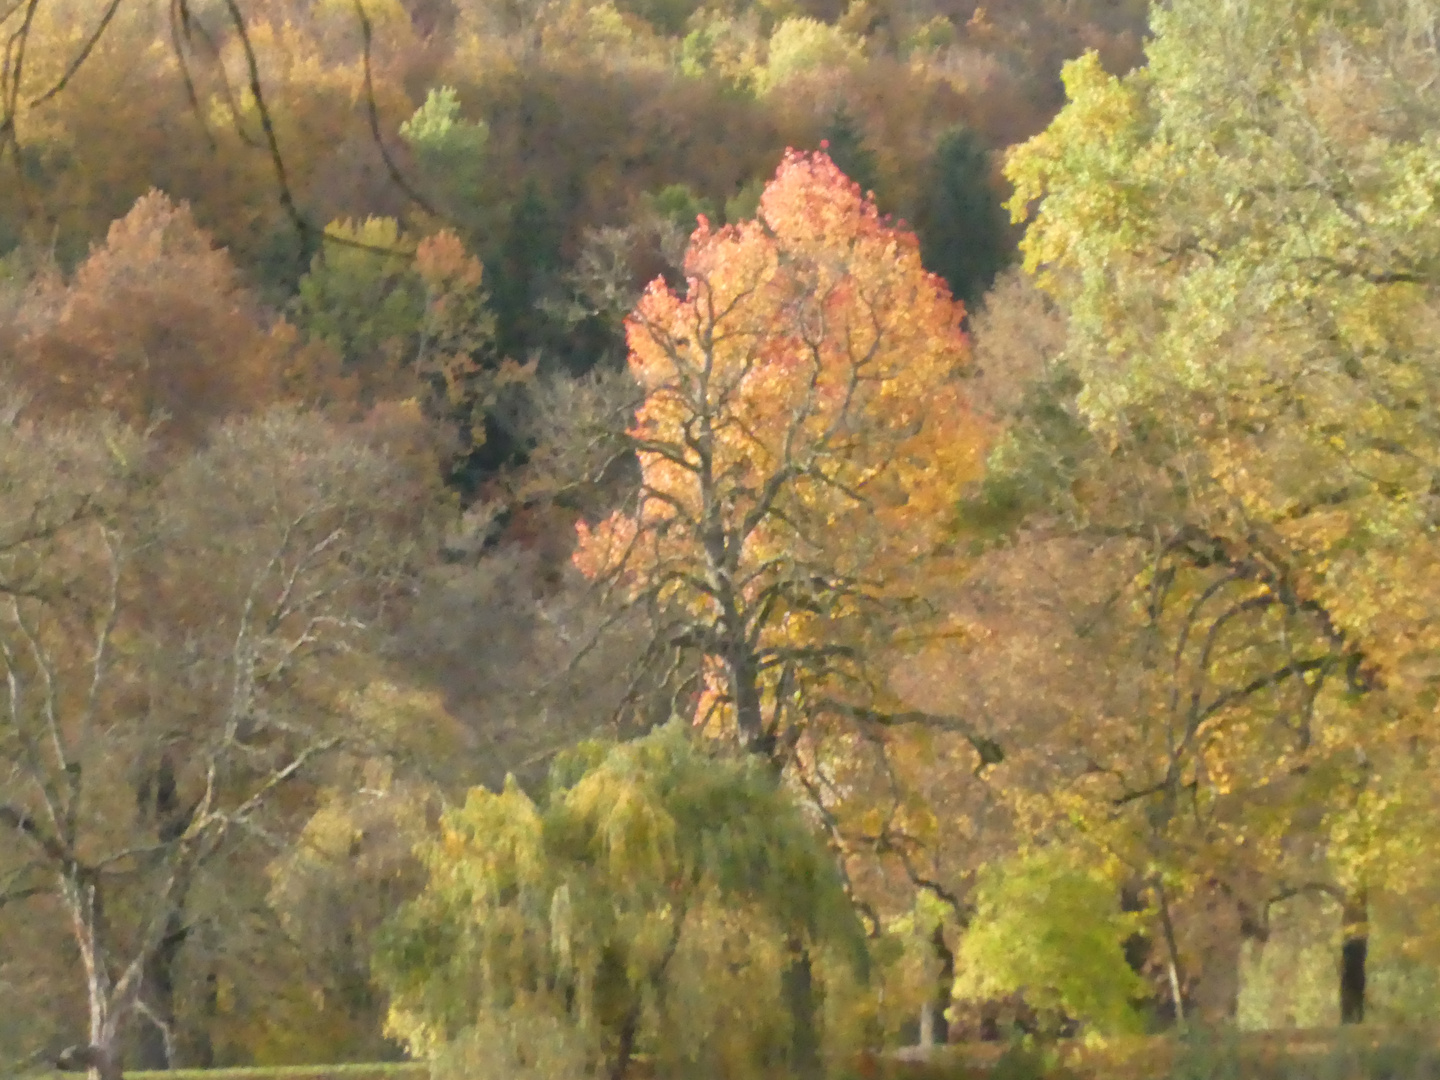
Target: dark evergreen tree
<point>963,232</point>
<point>524,274</point>
<point>845,143</point>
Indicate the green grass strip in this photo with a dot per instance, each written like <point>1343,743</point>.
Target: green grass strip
<point>403,1070</point>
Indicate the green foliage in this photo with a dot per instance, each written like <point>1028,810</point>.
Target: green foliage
<point>392,303</point>
<point>963,234</point>
<point>1023,1061</point>
<point>1244,236</point>
<point>697,50</point>
<point>515,1045</point>
<point>1289,979</point>
<point>367,302</point>
<point>800,45</point>
<point>413,321</point>
<point>844,141</point>
<point>934,34</point>
<point>677,203</point>
<point>1052,931</point>
<point>525,274</point>
<point>745,203</point>
<point>666,16</point>
<point>723,47</point>
<point>437,129</point>
<point>1207,1054</point>
<point>451,154</point>
<point>1230,220</point>
<point>642,904</point>
<point>1035,461</point>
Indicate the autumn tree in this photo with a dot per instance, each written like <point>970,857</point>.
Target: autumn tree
<point>157,327</point>
<point>250,110</point>
<point>303,990</point>
<point>1165,710</point>
<point>412,319</point>
<point>180,637</point>
<point>802,434</point>
<point>640,905</point>
<point>1246,274</point>
<point>802,439</point>
<point>1343,446</point>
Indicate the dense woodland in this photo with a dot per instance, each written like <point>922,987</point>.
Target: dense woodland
<point>697,539</point>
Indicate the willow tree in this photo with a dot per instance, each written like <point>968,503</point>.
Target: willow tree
<point>641,905</point>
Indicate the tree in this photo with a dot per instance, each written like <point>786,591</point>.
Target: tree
<point>1053,931</point>
<point>640,905</point>
<point>1247,274</point>
<point>451,152</point>
<point>178,636</point>
<point>962,228</point>
<point>412,320</point>
<point>526,270</point>
<point>216,95</point>
<point>844,142</point>
<point>156,327</point>
<point>1215,219</point>
<point>802,436</point>
<point>802,439</point>
<point>801,45</point>
<point>366,302</point>
<point>1168,702</point>
<point>349,869</point>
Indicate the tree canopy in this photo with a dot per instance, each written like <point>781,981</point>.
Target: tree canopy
<point>556,535</point>
<point>640,906</point>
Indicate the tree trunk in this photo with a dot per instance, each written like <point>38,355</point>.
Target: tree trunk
<point>934,1027</point>
<point>797,980</point>
<point>104,1050</point>
<point>625,1044</point>
<point>199,1046</point>
<point>102,1056</point>
<point>990,1022</point>
<point>156,1035</point>
<point>927,1024</point>
<point>1353,952</point>
<point>799,988</point>
<point>1173,969</point>
<point>106,1064</point>
<point>747,701</point>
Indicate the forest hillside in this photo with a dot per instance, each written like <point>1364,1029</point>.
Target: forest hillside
<point>682,538</point>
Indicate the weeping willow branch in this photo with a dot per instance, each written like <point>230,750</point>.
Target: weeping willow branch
<point>12,71</point>
<point>267,125</point>
<point>80,57</point>
<point>180,23</point>
<point>182,26</point>
<point>367,36</point>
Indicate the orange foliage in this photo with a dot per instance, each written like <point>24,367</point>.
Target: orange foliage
<point>802,442</point>
<point>155,326</point>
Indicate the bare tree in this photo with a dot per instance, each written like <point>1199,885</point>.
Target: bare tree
<point>177,640</point>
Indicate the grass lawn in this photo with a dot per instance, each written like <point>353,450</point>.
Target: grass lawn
<point>408,1070</point>
<point>1362,1053</point>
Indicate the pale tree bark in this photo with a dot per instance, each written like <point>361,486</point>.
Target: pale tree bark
<point>177,639</point>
